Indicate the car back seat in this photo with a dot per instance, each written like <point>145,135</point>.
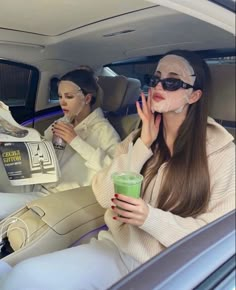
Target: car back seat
<point>222,101</point>
<point>119,96</point>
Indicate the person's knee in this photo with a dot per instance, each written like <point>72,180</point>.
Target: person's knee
<point>22,272</point>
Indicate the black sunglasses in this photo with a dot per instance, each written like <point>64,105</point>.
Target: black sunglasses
<point>169,84</point>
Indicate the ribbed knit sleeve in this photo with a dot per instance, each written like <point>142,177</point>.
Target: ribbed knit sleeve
<point>167,228</point>
<point>102,182</point>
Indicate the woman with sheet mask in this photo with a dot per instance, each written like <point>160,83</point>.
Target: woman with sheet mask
<point>188,164</point>
<point>173,69</point>
<point>75,104</point>
<point>90,142</point>
<point>89,136</point>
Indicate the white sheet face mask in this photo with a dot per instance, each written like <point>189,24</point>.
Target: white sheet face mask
<point>180,110</point>
<point>173,101</point>
<point>73,99</point>
<point>81,104</point>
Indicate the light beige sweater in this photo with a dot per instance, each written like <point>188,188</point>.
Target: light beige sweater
<point>161,228</point>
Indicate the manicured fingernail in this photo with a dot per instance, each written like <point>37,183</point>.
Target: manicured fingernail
<point>116,195</point>
<point>112,206</point>
<point>114,218</point>
<point>112,199</point>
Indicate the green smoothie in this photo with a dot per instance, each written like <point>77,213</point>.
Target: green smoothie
<point>127,183</point>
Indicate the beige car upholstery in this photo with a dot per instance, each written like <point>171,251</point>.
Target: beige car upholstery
<point>114,89</point>
<point>120,95</point>
<point>53,223</point>
<point>222,101</point>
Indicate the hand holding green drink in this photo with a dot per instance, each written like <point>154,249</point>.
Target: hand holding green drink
<point>127,183</point>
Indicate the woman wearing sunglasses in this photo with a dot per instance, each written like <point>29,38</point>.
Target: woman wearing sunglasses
<point>188,164</point>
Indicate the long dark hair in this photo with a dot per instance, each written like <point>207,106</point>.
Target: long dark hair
<point>185,187</point>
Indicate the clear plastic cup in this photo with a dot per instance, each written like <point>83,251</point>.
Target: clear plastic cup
<point>57,141</point>
<point>127,183</point>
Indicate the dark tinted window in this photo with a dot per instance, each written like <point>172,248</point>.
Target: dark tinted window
<point>54,90</point>
<point>228,4</point>
<point>15,83</point>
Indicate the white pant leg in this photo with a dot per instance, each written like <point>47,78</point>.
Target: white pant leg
<point>4,269</point>
<point>10,202</point>
<point>96,265</point>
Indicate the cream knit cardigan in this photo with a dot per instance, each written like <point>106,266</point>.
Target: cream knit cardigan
<point>162,228</point>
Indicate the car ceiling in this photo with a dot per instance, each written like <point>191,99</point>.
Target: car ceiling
<point>60,34</point>
<point>56,17</point>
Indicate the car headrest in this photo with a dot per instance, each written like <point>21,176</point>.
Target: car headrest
<point>222,101</point>
<point>133,92</point>
<point>99,98</point>
<point>118,92</point>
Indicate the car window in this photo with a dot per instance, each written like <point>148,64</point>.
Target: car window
<point>53,96</point>
<point>15,82</point>
<point>18,86</point>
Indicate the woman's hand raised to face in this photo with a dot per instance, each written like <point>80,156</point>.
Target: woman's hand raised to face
<point>129,210</point>
<point>64,131</point>
<point>150,127</point>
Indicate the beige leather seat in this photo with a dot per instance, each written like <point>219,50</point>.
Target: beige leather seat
<point>52,223</point>
<point>119,97</point>
<point>222,101</point>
